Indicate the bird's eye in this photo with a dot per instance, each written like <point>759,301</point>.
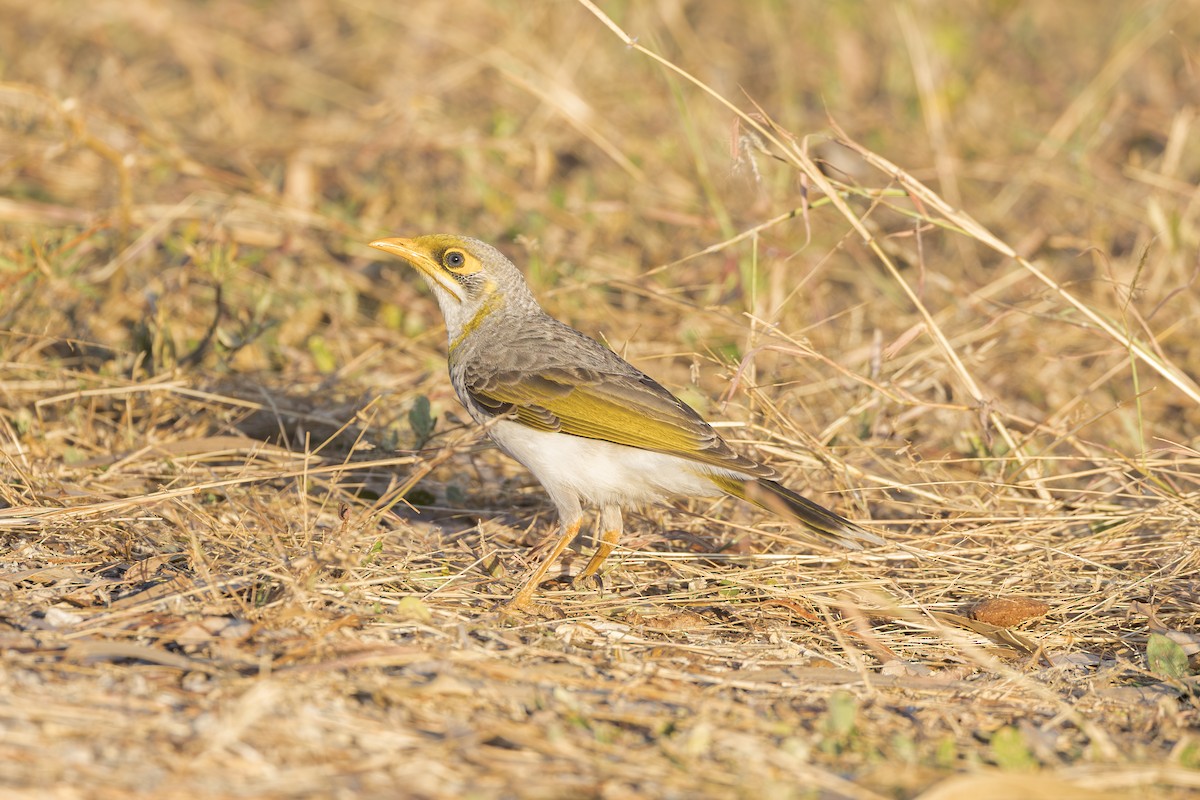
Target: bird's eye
<point>454,259</point>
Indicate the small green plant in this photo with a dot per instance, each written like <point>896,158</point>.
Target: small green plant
<point>1189,755</point>
<point>1010,751</point>
<point>321,353</point>
<point>841,722</point>
<point>1165,658</point>
<point>422,421</point>
<point>375,550</point>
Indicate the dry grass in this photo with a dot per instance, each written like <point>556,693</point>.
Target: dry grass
<point>972,322</point>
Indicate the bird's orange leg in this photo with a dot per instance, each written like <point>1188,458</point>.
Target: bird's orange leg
<point>608,541</point>
<point>611,525</point>
<point>523,601</point>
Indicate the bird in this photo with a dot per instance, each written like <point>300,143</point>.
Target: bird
<point>592,428</point>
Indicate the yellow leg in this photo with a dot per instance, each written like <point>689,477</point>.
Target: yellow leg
<point>608,541</point>
<point>523,601</point>
<point>611,525</point>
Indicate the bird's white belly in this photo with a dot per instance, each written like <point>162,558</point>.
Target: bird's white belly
<point>600,472</point>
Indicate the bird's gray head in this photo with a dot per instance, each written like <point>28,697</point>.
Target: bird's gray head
<point>471,279</point>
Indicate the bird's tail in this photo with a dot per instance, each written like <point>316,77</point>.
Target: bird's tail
<point>783,501</point>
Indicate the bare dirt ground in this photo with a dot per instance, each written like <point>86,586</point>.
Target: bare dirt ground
<point>936,262</point>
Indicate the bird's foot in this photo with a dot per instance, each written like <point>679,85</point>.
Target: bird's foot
<point>587,583</point>
<point>525,606</point>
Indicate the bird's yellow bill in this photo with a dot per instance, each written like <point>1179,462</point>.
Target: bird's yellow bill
<point>421,260</point>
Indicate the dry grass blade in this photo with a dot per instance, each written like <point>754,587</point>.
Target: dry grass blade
<point>976,231</point>
<point>786,144</point>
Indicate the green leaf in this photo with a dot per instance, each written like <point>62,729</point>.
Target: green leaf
<point>1166,658</point>
<point>322,356</point>
<point>421,420</point>
<point>375,550</point>
<point>1011,752</point>
<point>945,755</point>
<point>843,711</point>
<point>1189,756</point>
<point>413,607</point>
